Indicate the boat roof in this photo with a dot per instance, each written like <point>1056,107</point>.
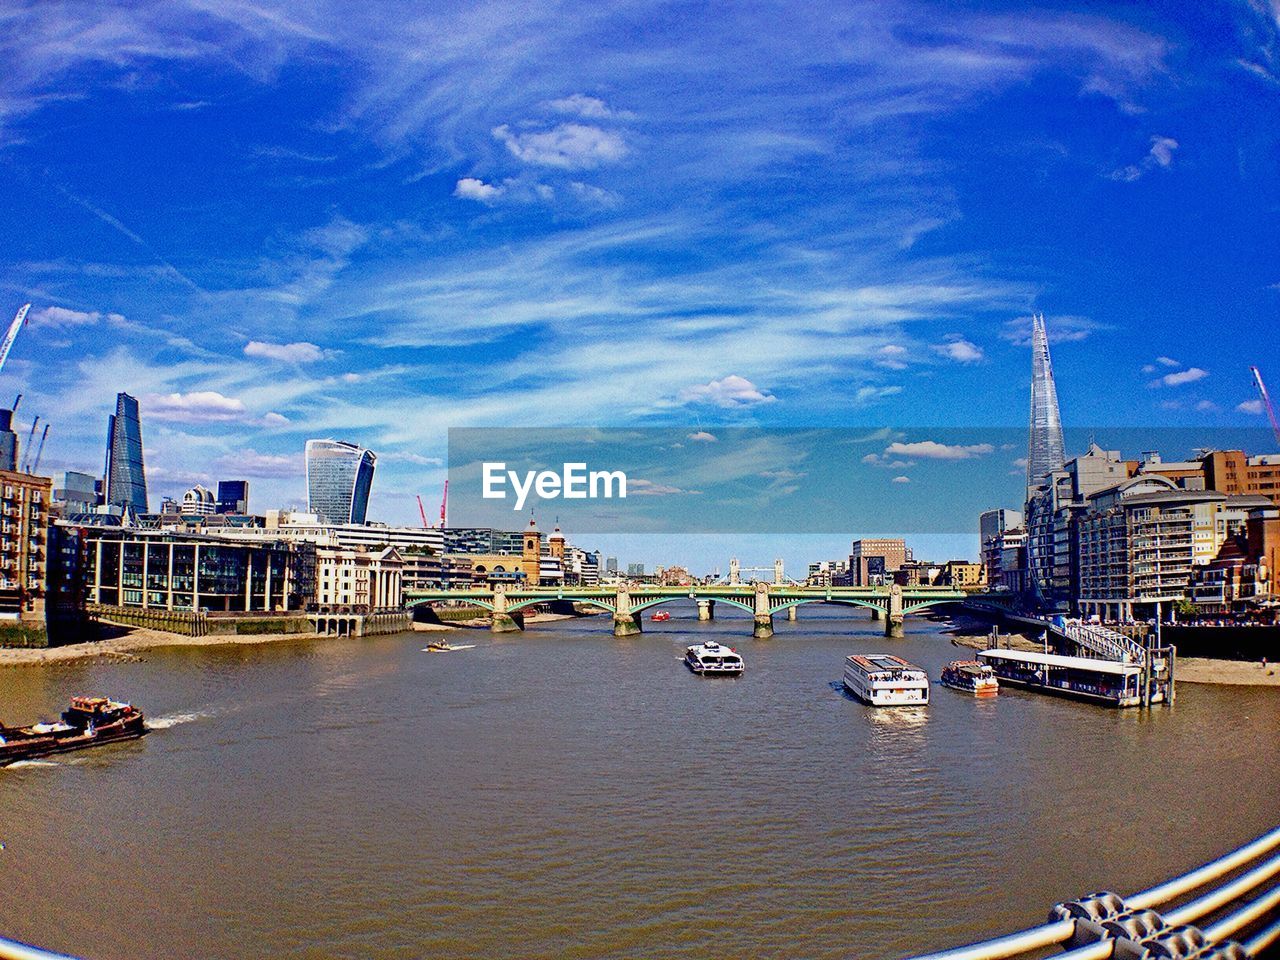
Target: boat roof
<point>711,647</point>
<point>1057,660</point>
<point>961,664</point>
<point>880,661</point>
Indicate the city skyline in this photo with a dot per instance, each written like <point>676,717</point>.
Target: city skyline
<point>433,237</point>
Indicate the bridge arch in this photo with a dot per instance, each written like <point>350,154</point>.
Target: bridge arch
<point>421,601</point>
<point>928,603</point>
<point>658,601</point>
<point>799,601</point>
<point>598,602</point>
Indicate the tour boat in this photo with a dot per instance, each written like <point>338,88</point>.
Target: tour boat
<point>886,681</point>
<point>713,659</point>
<point>971,677</point>
<point>89,722</point>
<point>661,616</point>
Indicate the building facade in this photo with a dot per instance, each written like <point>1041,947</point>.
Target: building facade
<point>126,476</point>
<point>199,502</point>
<point>339,478</point>
<point>874,561</point>
<point>24,521</point>
<point>359,581</point>
<point>233,496</point>
<point>75,492</point>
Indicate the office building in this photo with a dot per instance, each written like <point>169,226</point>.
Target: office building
<point>8,442</point>
<point>76,493</point>
<point>126,478</point>
<point>635,569</point>
<point>359,581</point>
<point>874,561</point>
<point>1045,452</point>
<point>339,477</point>
<point>233,496</point>
<point>198,502</point>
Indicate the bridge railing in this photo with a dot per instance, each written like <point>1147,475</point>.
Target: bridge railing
<point>1101,926</point>
<point>13,950</point>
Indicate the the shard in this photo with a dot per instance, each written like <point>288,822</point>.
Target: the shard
<point>1045,453</point>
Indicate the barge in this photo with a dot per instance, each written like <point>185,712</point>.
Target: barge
<point>88,722</point>
<point>886,681</point>
<point>1111,682</point>
<point>970,676</point>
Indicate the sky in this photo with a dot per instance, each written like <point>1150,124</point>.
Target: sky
<point>275,221</point>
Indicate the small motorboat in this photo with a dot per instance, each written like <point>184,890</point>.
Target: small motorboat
<point>971,676</point>
<point>88,722</point>
<point>440,646</point>
<point>662,616</point>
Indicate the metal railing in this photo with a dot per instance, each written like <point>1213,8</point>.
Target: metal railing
<point>1105,925</point>
<point>1107,643</point>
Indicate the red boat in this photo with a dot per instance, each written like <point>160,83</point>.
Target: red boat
<point>661,616</point>
<point>89,722</point>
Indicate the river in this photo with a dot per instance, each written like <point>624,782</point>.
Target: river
<point>560,793</point>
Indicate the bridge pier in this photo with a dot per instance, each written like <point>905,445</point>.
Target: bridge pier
<point>706,609</point>
<point>625,622</point>
<point>877,614</point>
<point>763,628</point>
<point>893,625</point>
<point>791,614</point>
<point>504,622</point>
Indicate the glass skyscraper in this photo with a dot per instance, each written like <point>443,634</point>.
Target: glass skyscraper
<point>339,475</point>
<point>126,477</point>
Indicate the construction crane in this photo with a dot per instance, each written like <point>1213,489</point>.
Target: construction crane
<point>1266,402</point>
<point>444,506</point>
<point>18,323</point>
<point>422,513</point>
<point>31,438</point>
<point>35,464</point>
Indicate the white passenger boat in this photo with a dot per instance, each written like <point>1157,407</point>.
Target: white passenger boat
<point>886,681</point>
<point>1110,682</point>
<point>713,659</point>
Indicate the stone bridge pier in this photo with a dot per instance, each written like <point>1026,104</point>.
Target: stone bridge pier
<point>625,622</point>
<point>763,628</point>
<point>893,626</point>
<point>706,609</point>
<point>504,622</point>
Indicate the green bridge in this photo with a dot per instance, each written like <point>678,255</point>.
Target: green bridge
<point>628,601</point>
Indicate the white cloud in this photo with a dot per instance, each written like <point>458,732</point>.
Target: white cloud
<point>596,196</point>
<point>702,437</point>
<point>959,349</point>
<point>251,463</point>
<point>62,317</point>
<point>469,188</point>
<point>870,394</point>
<point>1160,155</point>
<point>414,458</point>
<point>901,479</point>
<point>1206,406</point>
<point>201,406</point>
<point>1168,362</point>
<point>300,352</point>
<point>932,450</point>
<point>274,419</point>
<point>732,391</point>
<point>1064,329</point>
<point>1251,406</point>
<point>1177,379</point>
<point>579,104</point>
<point>647,488</point>
<point>571,146</point>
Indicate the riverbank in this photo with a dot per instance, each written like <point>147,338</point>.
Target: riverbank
<point>132,642</point>
<point>1227,672</point>
<point>137,639</point>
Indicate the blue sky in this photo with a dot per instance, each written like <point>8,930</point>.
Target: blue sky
<point>272,221</point>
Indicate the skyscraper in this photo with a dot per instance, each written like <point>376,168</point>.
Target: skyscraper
<point>126,478</point>
<point>233,496</point>
<point>8,442</point>
<point>339,475</point>
<point>1045,452</point>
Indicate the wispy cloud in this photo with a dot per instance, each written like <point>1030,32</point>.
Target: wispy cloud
<point>1159,156</point>
<point>730,391</point>
<point>300,352</point>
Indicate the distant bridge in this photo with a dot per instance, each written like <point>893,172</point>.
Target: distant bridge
<point>762,600</point>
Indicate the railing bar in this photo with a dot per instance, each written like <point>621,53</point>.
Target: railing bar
<point>1202,875</point>
<point>1009,945</point>
<point>1262,939</point>
<point>1220,897</point>
<point>1244,916</point>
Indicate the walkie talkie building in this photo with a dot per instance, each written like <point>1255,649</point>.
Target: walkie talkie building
<point>339,475</point>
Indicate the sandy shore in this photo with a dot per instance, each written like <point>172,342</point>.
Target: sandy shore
<point>137,639</point>
<point>1234,672</point>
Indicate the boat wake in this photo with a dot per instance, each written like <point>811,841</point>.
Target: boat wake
<point>452,647</point>
<point>19,764</point>
<point>164,723</point>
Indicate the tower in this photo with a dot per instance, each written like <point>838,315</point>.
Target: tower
<point>555,543</point>
<point>1045,452</point>
<point>531,553</point>
<point>126,477</point>
<point>339,476</point>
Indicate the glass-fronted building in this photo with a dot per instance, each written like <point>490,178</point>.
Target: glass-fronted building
<point>125,475</point>
<point>339,476</point>
<point>233,496</point>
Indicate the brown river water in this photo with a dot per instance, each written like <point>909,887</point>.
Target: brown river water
<point>560,793</point>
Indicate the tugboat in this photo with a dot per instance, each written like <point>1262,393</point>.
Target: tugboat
<point>88,722</point>
<point>971,677</point>
<point>713,660</point>
<point>661,616</point>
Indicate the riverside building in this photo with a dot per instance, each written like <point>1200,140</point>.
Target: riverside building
<point>24,521</point>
